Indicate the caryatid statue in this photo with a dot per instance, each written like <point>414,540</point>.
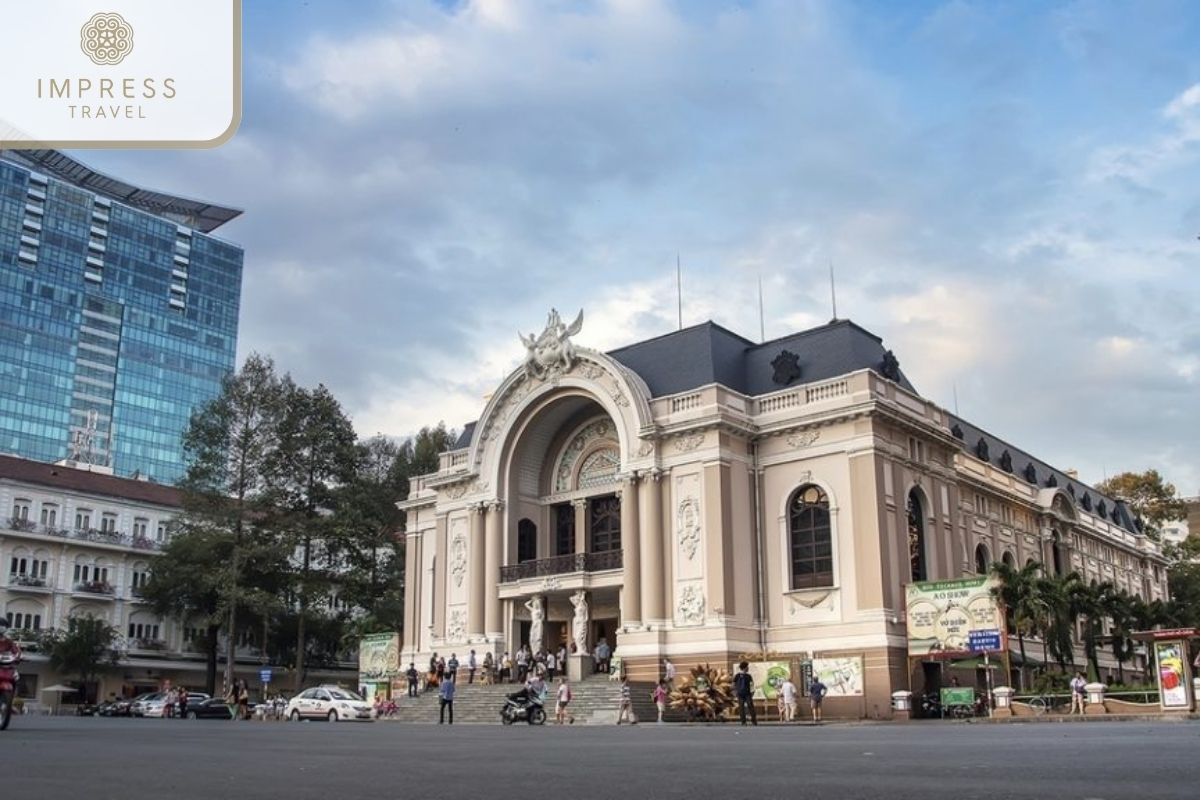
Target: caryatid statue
<point>579,624</point>
<point>537,619</point>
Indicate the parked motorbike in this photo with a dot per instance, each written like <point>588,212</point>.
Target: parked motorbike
<point>8,686</point>
<point>931,708</point>
<point>523,705</point>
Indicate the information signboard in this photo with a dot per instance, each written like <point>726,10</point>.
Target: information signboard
<point>378,657</point>
<point>942,615</point>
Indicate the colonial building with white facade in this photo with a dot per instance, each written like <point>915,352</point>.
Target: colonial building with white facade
<point>701,496</point>
<point>77,541</point>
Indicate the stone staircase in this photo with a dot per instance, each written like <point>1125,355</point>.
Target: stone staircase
<point>595,701</point>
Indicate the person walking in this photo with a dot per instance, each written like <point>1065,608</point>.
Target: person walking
<point>743,684</point>
<point>522,664</point>
<point>816,693</point>
<point>787,692</point>
<point>603,653</point>
<point>563,699</point>
<point>446,701</point>
<point>1078,692</point>
<point>413,676</point>
<point>669,672</point>
<point>659,696</point>
<point>551,665</point>
<point>562,658</point>
<point>243,701</point>
<point>472,665</point>
<point>431,679</point>
<point>626,711</point>
<point>183,702</point>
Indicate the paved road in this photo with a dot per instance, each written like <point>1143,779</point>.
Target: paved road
<point>128,759</point>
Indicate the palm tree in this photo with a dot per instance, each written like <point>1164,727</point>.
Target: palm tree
<point>1118,607</point>
<point>1016,592</point>
<point>1055,619</point>
<point>1086,600</point>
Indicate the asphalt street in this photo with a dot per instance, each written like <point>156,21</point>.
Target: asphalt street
<point>130,759</point>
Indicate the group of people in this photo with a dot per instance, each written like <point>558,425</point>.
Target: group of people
<point>743,684</point>
<point>175,703</point>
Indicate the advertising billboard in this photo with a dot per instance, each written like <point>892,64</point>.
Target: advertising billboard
<point>768,677</point>
<point>949,618</point>
<point>378,657</point>
<point>843,677</point>
<point>1172,675</point>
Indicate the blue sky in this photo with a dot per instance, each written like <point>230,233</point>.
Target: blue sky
<point>1008,192</point>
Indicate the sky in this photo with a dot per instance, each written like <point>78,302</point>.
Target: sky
<point>1007,193</point>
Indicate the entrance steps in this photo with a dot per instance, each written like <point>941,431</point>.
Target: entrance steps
<point>594,701</point>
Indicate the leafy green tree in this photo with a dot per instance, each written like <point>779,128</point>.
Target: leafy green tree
<point>1149,496</point>
<point>84,649</point>
<point>1117,605</point>
<point>316,455</point>
<point>228,448</point>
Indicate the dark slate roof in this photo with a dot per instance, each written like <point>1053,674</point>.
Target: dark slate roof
<point>1044,475</point>
<point>464,438</point>
<point>708,353</point>
<point>54,476</point>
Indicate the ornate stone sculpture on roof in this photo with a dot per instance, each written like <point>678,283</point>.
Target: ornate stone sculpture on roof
<point>551,353</point>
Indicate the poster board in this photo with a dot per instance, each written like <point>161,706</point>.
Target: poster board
<point>1171,659</point>
<point>768,677</point>
<point>842,676</point>
<point>951,618</point>
<point>378,657</point>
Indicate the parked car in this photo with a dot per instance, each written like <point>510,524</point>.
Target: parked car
<point>120,707</point>
<point>157,705</point>
<point>329,702</point>
<point>209,708</point>
<point>86,710</point>
<point>138,707</point>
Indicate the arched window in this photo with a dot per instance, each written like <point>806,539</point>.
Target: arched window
<point>1056,550</point>
<point>916,538</point>
<point>982,561</point>
<point>811,538</point>
<point>1009,560</point>
<point>526,541</point>
<point>604,516</point>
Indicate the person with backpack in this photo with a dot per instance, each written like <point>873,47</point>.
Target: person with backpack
<point>816,693</point>
<point>743,685</point>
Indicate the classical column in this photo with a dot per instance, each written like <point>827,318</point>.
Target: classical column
<point>581,542</point>
<point>654,540</point>
<point>439,578</point>
<point>478,585</point>
<point>631,546</point>
<point>412,596</point>
<point>494,535</point>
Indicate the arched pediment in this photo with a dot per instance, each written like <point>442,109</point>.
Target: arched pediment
<point>1057,503</point>
<point>621,393</point>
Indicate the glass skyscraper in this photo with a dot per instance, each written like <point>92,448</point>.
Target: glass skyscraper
<point>118,315</point>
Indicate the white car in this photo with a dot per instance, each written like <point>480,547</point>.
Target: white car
<point>329,702</point>
<point>154,705</point>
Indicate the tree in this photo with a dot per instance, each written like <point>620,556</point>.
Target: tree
<point>1118,607</point>
<point>227,445</point>
<point>315,456</point>
<point>1150,497</point>
<point>84,649</point>
<point>1017,591</point>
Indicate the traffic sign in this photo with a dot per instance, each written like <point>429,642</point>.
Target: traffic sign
<point>264,675</point>
<point>986,640</point>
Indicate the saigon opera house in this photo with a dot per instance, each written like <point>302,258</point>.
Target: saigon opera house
<point>700,496</point>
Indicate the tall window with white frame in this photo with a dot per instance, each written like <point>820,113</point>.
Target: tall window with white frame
<point>810,538</point>
<point>918,567</point>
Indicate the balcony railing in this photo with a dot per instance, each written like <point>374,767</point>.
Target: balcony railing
<point>138,541</point>
<point>148,644</point>
<point>20,524</point>
<point>30,581</point>
<point>558,565</point>
<point>94,587</point>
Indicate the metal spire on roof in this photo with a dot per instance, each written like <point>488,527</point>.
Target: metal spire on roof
<point>832,291</point>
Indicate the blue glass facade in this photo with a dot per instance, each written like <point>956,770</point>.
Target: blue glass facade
<point>115,323</point>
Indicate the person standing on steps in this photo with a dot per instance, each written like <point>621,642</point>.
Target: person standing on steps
<point>551,665</point>
<point>669,673</point>
<point>659,696</point>
<point>412,675</point>
<point>626,712</point>
<point>743,684</point>
<point>816,693</point>
<point>446,700</point>
<point>472,665</point>
<point>452,668</point>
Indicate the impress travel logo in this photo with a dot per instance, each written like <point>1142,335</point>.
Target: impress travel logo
<point>74,75</point>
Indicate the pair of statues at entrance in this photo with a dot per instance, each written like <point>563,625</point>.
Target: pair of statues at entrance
<point>579,622</point>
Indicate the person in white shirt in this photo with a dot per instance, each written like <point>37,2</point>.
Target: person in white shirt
<point>1078,692</point>
<point>668,672</point>
<point>472,665</point>
<point>551,665</point>
<point>564,699</point>
<point>787,690</point>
